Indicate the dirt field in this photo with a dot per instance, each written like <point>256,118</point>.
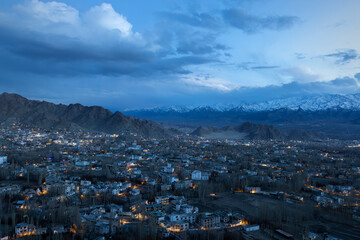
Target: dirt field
<point>291,216</point>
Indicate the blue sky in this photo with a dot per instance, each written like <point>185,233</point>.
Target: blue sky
<point>135,54</point>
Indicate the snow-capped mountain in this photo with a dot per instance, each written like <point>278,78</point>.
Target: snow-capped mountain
<point>313,103</point>
<point>332,115</point>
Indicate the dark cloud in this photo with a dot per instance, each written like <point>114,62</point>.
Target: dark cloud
<point>264,67</point>
<point>151,66</point>
<point>49,50</point>
<point>300,56</point>
<point>69,43</point>
<point>99,51</point>
<point>35,45</point>
<point>239,18</point>
<point>199,43</point>
<point>344,56</point>
<point>235,17</point>
<point>191,32</point>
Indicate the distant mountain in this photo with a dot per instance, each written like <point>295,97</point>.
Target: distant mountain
<point>337,116</point>
<point>253,131</point>
<point>74,116</point>
<point>309,103</point>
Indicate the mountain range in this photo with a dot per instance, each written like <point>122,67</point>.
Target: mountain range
<point>336,116</point>
<point>43,114</point>
<point>306,103</point>
<point>282,123</point>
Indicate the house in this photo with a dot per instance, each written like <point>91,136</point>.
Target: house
<point>179,226</point>
<point>200,176</point>
<point>284,234</point>
<point>182,184</point>
<point>24,229</point>
<point>162,199</point>
<point>157,217</point>
<point>209,220</point>
<point>70,188</point>
<point>185,217</point>
<point>251,228</point>
<point>356,215</point>
<point>85,183</point>
<point>154,207</point>
<point>135,192</point>
<point>168,178</point>
<point>114,208</point>
<point>82,163</point>
<point>168,168</point>
<point>102,227</point>
<point>196,175</point>
<point>58,229</point>
<point>3,159</point>
<point>205,176</point>
<point>164,233</point>
<point>224,216</point>
<point>252,189</point>
<point>314,236</point>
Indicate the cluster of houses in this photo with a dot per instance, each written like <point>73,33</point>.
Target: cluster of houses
<point>114,181</point>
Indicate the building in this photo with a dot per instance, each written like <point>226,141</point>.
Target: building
<point>253,189</point>
<point>251,228</point>
<point>209,220</point>
<point>154,207</point>
<point>179,226</point>
<point>162,199</point>
<point>3,159</point>
<point>24,229</point>
<point>200,176</point>
<point>102,228</point>
<point>185,217</point>
<point>196,175</point>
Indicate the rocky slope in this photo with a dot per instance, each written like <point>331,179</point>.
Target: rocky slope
<point>253,131</point>
<point>43,114</point>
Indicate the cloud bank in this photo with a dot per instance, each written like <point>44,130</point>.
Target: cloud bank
<point>51,50</point>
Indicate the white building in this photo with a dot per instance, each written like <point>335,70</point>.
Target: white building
<point>251,228</point>
<point>85,183</point>
<point>200,176</point>
<point>3,159</point>
<point>185,217</point>
<point>24,228</point>
<point>168,168</point>
<point>196,175</point>
<point>82,163</point>
<point>180,226</point>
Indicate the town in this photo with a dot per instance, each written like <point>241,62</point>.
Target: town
<point>62,184</point>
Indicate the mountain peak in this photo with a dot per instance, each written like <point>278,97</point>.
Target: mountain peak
<point>6,95</point>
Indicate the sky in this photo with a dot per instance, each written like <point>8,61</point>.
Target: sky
<point>133,54</point>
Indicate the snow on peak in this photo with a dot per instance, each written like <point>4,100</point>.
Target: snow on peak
<point>308,103</point>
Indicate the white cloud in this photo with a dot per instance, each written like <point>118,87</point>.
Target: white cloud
<point>302,74</point>
<point>99,22</point>
<point>212,83</point>
<point>106,17</point>
<point>55,12</point>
